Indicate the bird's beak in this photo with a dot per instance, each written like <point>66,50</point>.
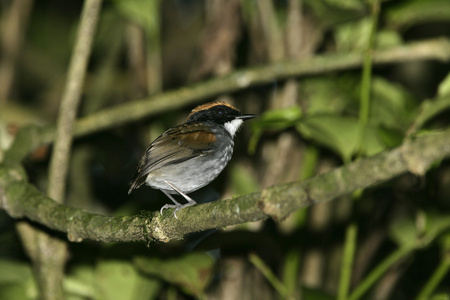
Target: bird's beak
<point>246,117</point>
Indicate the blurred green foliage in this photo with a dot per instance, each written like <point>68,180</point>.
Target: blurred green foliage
<point>403,225</point>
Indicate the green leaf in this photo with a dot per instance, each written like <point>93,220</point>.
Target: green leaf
<point>14,272</point>
<point>428,110</point>
<point>192,272</point>
<point>392,106</point>
<point>144,12</point>
<point>409,13</point>
<point>445,242</point>
<point>243,181</point>
<point>441,296</point>
<point>276,119</point>
<point>403,231</point>
<point>116,279</point>
<point>354,36</point>
<point>330,13</point>
<point>390,137</point>
<point>444,86</point>
<point>80,282</point>
<point>328,95</point>
<point>16,280</point>
<point>436,224</point>
<point>13,292</point>
<point>340,134</point>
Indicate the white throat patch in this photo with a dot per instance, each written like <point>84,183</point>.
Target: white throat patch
<point>233,126</point>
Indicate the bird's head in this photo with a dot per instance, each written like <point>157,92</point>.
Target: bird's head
<point>220,113</point>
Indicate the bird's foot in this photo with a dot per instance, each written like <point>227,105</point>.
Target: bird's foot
<point>177,207</point>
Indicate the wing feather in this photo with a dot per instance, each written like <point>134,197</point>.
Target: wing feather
<point>174,146</point>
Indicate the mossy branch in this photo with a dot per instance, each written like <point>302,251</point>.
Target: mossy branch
<point>22,200</point>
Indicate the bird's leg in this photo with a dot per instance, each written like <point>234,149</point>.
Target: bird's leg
<point>169,205</point>
<point>189,199</point>
<point>177,205</point>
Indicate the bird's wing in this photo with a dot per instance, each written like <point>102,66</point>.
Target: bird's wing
<point>174,146</point>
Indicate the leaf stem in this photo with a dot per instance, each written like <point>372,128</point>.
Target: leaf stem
<point>268,274</point>
<point>378,271</point>
<point>347,261</point>
<point>364,108</point>
<point>435,279</point>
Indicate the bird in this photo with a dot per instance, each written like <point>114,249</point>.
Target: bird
<point>189,156</point>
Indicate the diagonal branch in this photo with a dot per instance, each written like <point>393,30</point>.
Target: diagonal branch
<point>438,49</point>
<point>28,139</point>
<point>22,200</point>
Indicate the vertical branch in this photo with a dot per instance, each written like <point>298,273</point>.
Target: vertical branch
<point>352,229</point>
<point>367,77</point>
<point>71,98</point>
<point>47,252</point>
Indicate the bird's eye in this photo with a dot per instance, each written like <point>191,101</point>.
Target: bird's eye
<point>220,111</point>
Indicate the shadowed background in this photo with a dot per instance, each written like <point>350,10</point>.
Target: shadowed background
<point>307,125</point>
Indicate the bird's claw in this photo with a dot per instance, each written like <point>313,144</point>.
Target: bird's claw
<point>170,206</point>
<point>177,207</point>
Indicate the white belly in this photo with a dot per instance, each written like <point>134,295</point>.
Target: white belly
<point>192,174</point>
